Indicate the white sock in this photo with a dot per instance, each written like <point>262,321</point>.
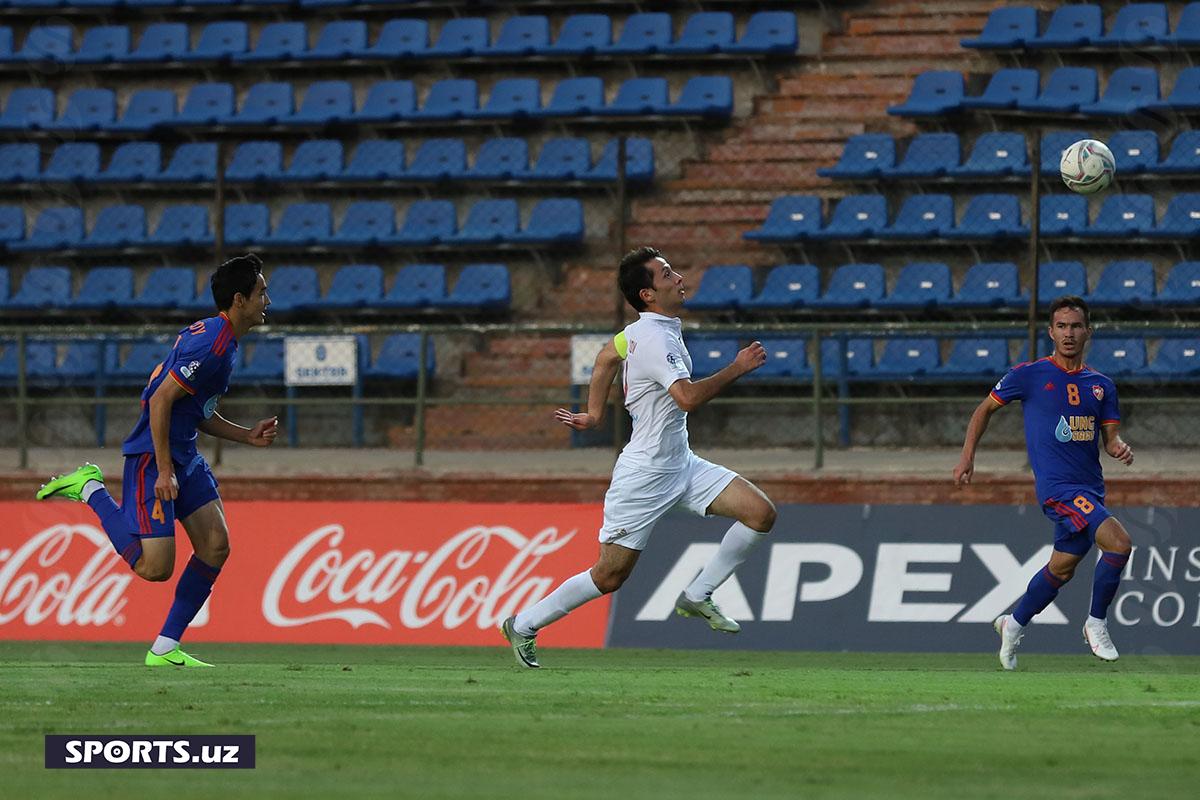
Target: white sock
<point>162,645</point>
<point>738,542</point>
<point>570,595</point>
<point>89,488</point>
<point>1096,620</point>
<point>1012,623</point>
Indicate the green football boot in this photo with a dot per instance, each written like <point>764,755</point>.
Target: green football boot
<point>70,485</point>
<point>175,658</point>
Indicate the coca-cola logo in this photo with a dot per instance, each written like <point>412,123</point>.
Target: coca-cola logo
<point>448,586</point>
<point>36,581</point>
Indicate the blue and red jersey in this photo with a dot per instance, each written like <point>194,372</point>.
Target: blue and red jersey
<point>200,361</point>
<point>1063,412</point>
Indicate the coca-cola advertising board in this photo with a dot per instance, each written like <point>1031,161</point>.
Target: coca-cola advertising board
<point>315,572</point>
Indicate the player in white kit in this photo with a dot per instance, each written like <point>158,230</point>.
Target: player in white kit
<point>657,471</point>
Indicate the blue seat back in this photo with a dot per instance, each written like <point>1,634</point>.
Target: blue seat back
<point>724,286</point>
<point>419,285</point>
<point>648,32</point>
<point>464,36</point>
<point>583,34</point>
<point>172,287</point>
<point>316,159</point>
<point>855,285</point>
<point>1116,356</point>
<point>1063,215</point>
<point>483,285</point>
<point>1123,214</point>
<point>162,41</point>
<point>931,154</point>
<point>563,159</point>
<point>1134,151</point>
<point>909,356</point>
<point>432,220</point>
<point>501,159</point>
<point>1182,286</point>
<point>978,357</point>
<point>376,159</point>
<point>255,161</point>
<point>786,358</point>
<point>292,287</point>
<point>183,224</point>
<point>790,286</point>
<point>73,161</point>
<point>989,284</point>
<point>923,283</point>
<point>1178,358</point>
<point>439,159</point>
<point>1058,278</point>
<point>356,284</point>
<point>522,36</point>
<point>1125,282</point>
<point>924,215</point>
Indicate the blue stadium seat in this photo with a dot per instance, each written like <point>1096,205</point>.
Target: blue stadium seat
<point>169,288</point>
<point>303,224</point>
<point>522,36</point>
<point>489,221</point>
<point>355,286</point>
<point>1007,28</point>
<point>1184,96</point>
<point>325,102</point>
<point>929,155</point>
<point>555,219</point>
<point>922,216</point>
<point>264,364</point>
<point>6,43</point>
<point>264,104</point>
<point>417,286</point>
<point>103,44</point>
<point>1063,215</point>
<point>367,222</point>
<point>460,38</point>
<point>255,161</point>
<point>388,101</point>
<point>147,109</point>
<point>220,41</point>
<point>639,162</point>
<point>278,41</point>
<point>563,160</point>
<point>1177,358</point>
<point>1122,216</point>
<point>907,358</point>
<point>1124,284</point>
<point>996,154</point>
<point>294,288</point>
<point>790,218</point>
<point>989,285</point>
<point>642,34</point>
<point>1074,25</point>
<point>857,216</point>
<point>40,358</point>
<point>1008,88</point>
<point>1182,286</point>
<point>46,43</point>
<point>452,98</point>
<point>990,216</point>
<point>704,33</point>
<point>427,222</point>
<point>1067,90</point>
<point>142,358</point>
<point>1187,29</point>
<point>1055,144</point>
<point>512,98</point>
<point>12,224</point>
<point>1135,152</point>
<point>1129,90</point>
<point>1181,219</point>
<point>80,361</point>
<point>438,160</point>
<point>1117,357</point>
<point>246,223</point>
<point>788,287</point>
<point>976,357</point>
<point>850,358</point>
<point>73,161</point>
<point>43,287</point>
<point>376,160</point>
<point>338,40</point>
<point>500,159</point>
<point>60,227</point>
<point>193,162</point>
<point>481,286</point>
<point>207,104</point>
<point>185,224</point>
<point>1136,25</point>
<point>853,286</point>
<point>933,94</point>
<point>787,359</point>
<point>20,162</point>
<point>705,96</point>
<point>400,39</point>
<point>638,96</point>
<point>768,33</point>
<point>574,97</point>
<point>117,226</point>
<point>919,285</point>
<point>1184,156</point>
<point>315,160</point>
<point>582,35</point>
<point>1058,278</point>
<point>399,358</point>
<point>161,43</point>
<point>867,155</point>
<point>3,286</point>
<point>710,355</point>
<point>87,110</point>
<point>723,288</point>
<point>105,288</point>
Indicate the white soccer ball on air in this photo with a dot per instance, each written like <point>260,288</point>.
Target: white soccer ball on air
<point>1087,166</point>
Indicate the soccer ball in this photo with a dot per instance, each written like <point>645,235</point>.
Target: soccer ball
<point>1087,166</point>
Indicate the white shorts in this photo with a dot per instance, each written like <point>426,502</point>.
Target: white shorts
<point>636,500</point>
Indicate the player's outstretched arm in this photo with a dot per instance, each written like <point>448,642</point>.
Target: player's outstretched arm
<point>975,428</point>
<point>261,435</point>
<point>608,361</point>
<point>690,395</point>
<point>1114,445</point>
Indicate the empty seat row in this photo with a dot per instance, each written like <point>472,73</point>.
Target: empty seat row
<point>703,33</point>
<point>330,102</point>
<point>1067,90</point>
<point>928,285</point>
<point>427,222</point>
<point>1082,25</point>
<point>291,288</point>
<point>498,159</point>
<point>794,218</point>
<point>1001,153</point>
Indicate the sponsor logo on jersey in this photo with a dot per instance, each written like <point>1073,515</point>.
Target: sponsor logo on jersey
<point>1098,391</point>
<point>189,370</point>
<point>210,407</point>
<point>1075,429</point>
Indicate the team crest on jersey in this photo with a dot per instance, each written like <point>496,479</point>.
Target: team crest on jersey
<point>189,370</point>
<point>672,359</point>
<point>1098,391</point>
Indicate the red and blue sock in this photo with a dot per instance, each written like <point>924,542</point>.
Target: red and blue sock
<point>127,543</point>
<point>1040,593</point>
<point>194,587</point>
<point>1104,584</point>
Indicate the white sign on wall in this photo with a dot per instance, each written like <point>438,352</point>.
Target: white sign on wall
<point>320,360</point>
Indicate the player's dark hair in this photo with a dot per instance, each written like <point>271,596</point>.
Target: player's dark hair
<point>632,276</point>
<point>237,275</point>
<point>1071,301</point>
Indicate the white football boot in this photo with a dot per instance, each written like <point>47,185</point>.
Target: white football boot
<point>1095,633</point>
<point>707,610</point>
<point>1010,636</point>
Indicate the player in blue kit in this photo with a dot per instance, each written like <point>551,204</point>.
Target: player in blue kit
<point>1067,408</point>
<point>166,478</point>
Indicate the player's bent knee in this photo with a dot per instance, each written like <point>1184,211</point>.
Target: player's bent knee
<point>216,553</point>
<point>152,571</point>
<point>762,517</point>
<point>608,581</point>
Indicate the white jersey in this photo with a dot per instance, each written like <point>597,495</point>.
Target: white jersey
<point>654,359</point>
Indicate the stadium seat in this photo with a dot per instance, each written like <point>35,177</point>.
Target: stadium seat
<point>768,33</point>
<point>1066,91</point>
<point>788,287</point>
<point>710,355</point>
<point>81,361</point>
<point>461,37</point>
<point>853,286</point>
<point>933,94</point>
<point>355,286</point>
<point>400,39</point>
<point>303,224</point>
<point>161,43</point>
<point>278,41</point>
<point>416,286</point>
<point>103,44</point>
<point>105,288</point>
<point>427,222</point>
<point>40,361</point>
<point>1184,156</point>
<point>1184,96</point>
<point>20,162</point>
<point>989,285</point>
<point>315,160</point>
<point>184,225</point>
<point>1007,28</point>
<point>1135,152</point>
<point>638,96</point>
<point>294,288</point>
<point>500,160</point>
<point>990,216</point>
<point>929,155</point>
<point>43,287</point>
<point>87,110</point>
<point>324,102</point>
<point>367,222</point>
<point>922,216</point>
<point>376,160</point>
<point>522,36</point>
<point>388,101</point>
<point>264,364</point>
<point>255,161</point>
<point>207,104</point>
<point>924,286</point>
<point>574,97</point>
<point>1177,358</point>
<point>246,223</point>
<point>169,288</point>
<point>787,359</point>
<point>908,358</point>
<point>6,43</point>
<point>1182,286</point>
<point>481,286</point>
<point>1074,25</point>
<point>73,161</point>
<point>338,40</point>
<point>846,358</point>
<point>555,219</point>
<point>1124,284</point>
<point>267,103</point>
<point>399,358</point>
<point>116,227</point>
<point>790,218</point>
<point>147,109</point>
<point>704,33</point>
<point>3,286</point>
<point>1122,216</point>
<point>220,41</point>
<point>1136,25</point>
<point>639,162</point>
<point>1117,357</point>
<point>867,155</point>
<point>1055,144</point>
<point>976,357</point>
<point>1008,88</point>
<point>862,216</point>
<point>1058,278</point>
<point>562,160</point>
<point>642,34</point>
<point>1063,215</point>
<point>449,99</point>
<point>1181,219</point>
<point>46,43</point>
<point>1129,90</point>
<point>193,162</point>
<point>490,220</point>
<point>141,359</point>
<point>512,98</point>
<point>1187,29</point>
<point>12,224</point>
<point>723,288</point>
<point>582,35</point>
<point>438,160</point>
<point>705,96</point>
<point>60,227</point>
<point>995,154</point>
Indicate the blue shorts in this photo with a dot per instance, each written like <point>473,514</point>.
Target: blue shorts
<point>1077,516</point>
<point>153,518</point>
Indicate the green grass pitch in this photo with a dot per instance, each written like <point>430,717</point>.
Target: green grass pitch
<point>351,722</point>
